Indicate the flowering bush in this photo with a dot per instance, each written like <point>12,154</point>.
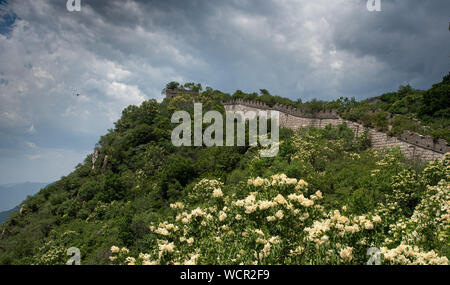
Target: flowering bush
<point>281,221</point>
<point>205,188</point>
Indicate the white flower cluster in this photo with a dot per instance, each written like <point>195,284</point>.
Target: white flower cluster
<point>412,255</point>
<point>280,221</point>
<point>206,188</point>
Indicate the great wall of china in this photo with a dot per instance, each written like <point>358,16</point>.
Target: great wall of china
<point>411,144</point>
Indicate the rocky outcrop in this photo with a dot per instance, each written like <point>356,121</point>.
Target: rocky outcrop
<point>94,158</point>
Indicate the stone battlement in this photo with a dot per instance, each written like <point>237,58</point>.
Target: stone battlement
<point>170,93</point>
<point>425,142</point>
<point>325,114</point>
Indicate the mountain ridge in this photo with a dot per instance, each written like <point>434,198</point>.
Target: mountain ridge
<point>144,201</point>
<point>12,194</point>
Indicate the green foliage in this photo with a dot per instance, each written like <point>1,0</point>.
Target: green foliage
<point>436,101</point>
<point>172,85</point>
<point>139,174</point>
<point>424,112</point>
<point>113,188</point>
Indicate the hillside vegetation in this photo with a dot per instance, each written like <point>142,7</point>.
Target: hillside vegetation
<point>326,198</point>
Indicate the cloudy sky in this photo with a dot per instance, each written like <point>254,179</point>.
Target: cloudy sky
<point>115,53</point>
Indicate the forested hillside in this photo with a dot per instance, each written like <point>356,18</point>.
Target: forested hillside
<point>326,198</point>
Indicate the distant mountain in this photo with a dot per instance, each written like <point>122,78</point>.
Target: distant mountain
<point>4,216</point>
<point>11,195</point>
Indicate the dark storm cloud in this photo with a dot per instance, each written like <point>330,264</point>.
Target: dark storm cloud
<point>410,37</point>
<point>115,53</point>
<point>408,40</point>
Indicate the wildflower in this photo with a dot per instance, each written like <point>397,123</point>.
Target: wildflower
<point>293,197</point>
<point>280,199</point>
<point>192,260</point>
<point>162,231</point>
<point>270,218</point>
<point>197,212</point>
<point>130,260</point>
<point>301,184</point>
<point>266,249</point>
<point>259,232</point>
<point>217,193</point>
<point>376,219</point>
<point>307,203</point>
<point>171,227</point>
<point>250,209</point>
<point>177,205</point>
<point>258,182</point>
<point>165,247</point>
<point>264,205</point>
<point>222,216</point>
<point>279,214</point>
<point>114,249</point>
<point>250,199</point>
<point>352,229</point>
<point>368,225</point>
<point>291,181</point>
<point>275,240</point>
<point>319,195</point>
<point>145,256</point>
<point>346,254</point>
<point>261,240</point>
<point>297,251</point>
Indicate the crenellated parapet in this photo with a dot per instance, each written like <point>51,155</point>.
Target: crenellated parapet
<point>325,114</point>
<point>425,142</point>
<point>249,103</point>
<point>170,93</point>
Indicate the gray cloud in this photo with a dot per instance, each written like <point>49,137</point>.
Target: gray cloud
<point>115,53</point>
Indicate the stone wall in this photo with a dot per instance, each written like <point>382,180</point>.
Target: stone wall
<point>411,144</point>
<point>170,93</point>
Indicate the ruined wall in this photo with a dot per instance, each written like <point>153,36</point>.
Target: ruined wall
<point>411,144</point>
<point>170,93</point>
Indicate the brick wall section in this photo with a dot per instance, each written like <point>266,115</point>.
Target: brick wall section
<point>170,93</point>
<point>411,144</point>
